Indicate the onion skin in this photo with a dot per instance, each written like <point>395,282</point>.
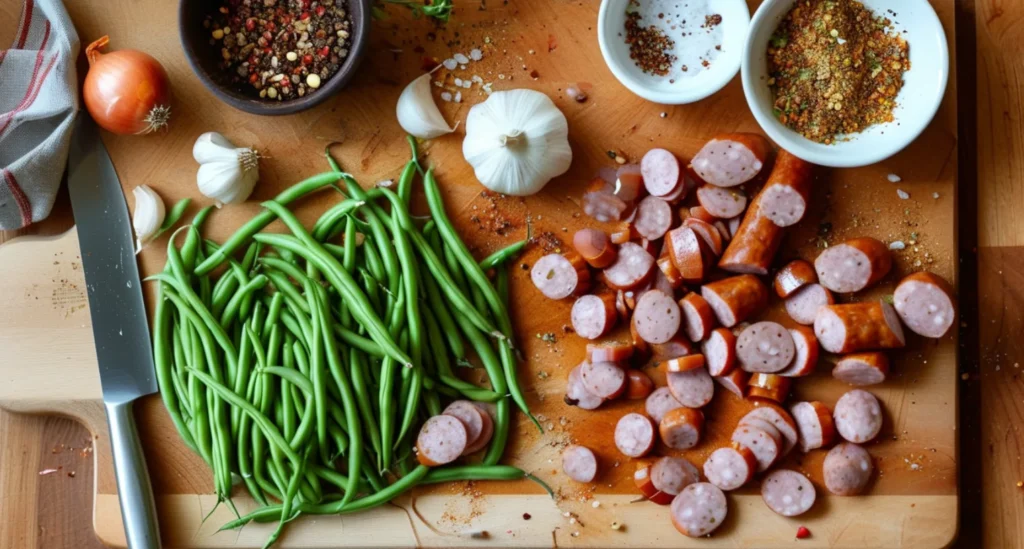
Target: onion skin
<point>126,92</point>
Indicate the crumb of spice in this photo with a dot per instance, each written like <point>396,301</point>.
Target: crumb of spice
<point>280,49</point>
<point>835,68</point>
<point>649,47</point>
<point>527,516</point>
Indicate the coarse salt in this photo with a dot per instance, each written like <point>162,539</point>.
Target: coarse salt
<point>458,82</point>
<point>475,54</point>
<point>458,97</point>
<point>461,59</point>
<point>935,196</point>
<point>450,64</point>
<point>893,178</point>
<point>902,194</point>
<point>897,245</point>
<point>446,96</point>
<point>467,84</point>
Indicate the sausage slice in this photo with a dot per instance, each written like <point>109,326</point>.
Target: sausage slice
<point>661,171</point>
<point>763,440</point>
<point>803,304</point>
<point>558,276</point>
<point>853,265</point>
<point>858,416</point>
<point>794,275</point>
<point>861,369</point>
<point>689,252</point>
<point>925,303</point>
<point>864,326</point>
<point>765,347</point>
<point>787,193</point>
<point>807,351</point>
<point>634,435</point>
<point>593,316</point>
<point>771,387</point>
<point>579,463</point>
<point>594,247</point>
<point>708,233</point>
<point>693,388</point>
<point>699,509</point>
<point>788,493</point>
<point>698,318</point>
<point>676,347</point>
<point>577,394</point>
<point>442,440</point>
<point>735,299</point>
<point>638,385</point>
<point>780,419</point>
<point>604,379</point>
<point>731,159</point>
<point>600,202</point>
<point>665,478</point>
<point>721,202</point>
<point>653,218</point>
<point>659,403</point>
<point>720,352</point>
<point>730,467</point>
<point>609,352</point>
<point>472,419</point>
<point>847,469</point>
<point>486,432</point>
<point>736,382</point>
<point>681,428</point>
<point>656,317</point>
<point>813,424</point>
<point>632,268</point>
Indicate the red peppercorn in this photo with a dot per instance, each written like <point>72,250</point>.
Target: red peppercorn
<point>252,60</point>
<point>803,533</point>
<point>250,24</point>
<point>270,26</point>
<point>304,16</point>
<point>320,11</point>
<point>253,78</point>
<point>306,4</point>
<point>307,59</point>
<point>267,51</point>
<point>324,51</point>
<point>268,36</point>
<point>285,20</point>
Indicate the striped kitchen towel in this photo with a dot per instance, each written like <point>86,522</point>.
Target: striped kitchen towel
<point>38,102</point>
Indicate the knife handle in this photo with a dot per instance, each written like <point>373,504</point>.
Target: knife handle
<point>138,511</point>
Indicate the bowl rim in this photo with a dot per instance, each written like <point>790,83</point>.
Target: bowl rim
<point>250,105</point>
<point>684,95</point>
<point>839,157</point>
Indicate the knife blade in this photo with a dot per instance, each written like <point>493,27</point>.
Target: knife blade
<point>119,322</point>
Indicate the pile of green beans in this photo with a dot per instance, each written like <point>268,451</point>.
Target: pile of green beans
<point>303,366</point>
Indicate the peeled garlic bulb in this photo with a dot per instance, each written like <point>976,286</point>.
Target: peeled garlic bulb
<point>148,217</point>
<point>418,114</point>
<point>227,173</point>
<point>517,141</point>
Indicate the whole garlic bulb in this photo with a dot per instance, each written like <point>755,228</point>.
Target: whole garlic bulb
<point>516,141</point>
<point>148,216</point>
<point>227,173</point>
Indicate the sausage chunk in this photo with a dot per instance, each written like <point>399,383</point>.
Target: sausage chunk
<point>858,416</point>
<point>853,327</point>
<point>847,469</point>
<point>579,463</point>
<point>925,303</point>
<point>853,265</point>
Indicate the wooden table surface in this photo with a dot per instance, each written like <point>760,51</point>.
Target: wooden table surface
<point>54,509</point>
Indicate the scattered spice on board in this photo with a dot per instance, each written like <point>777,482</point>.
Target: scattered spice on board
<point>835,68</point>
<point>281,49</point>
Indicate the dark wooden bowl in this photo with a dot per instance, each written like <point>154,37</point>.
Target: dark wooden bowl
<point>203,58</point>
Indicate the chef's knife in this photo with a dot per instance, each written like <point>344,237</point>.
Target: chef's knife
<point>119,323</point>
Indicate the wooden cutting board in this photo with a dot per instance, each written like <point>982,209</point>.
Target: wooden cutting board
<point>48,353</point>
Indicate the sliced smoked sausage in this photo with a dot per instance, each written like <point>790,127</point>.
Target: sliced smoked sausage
<point>600,202</point>
<point>638,385</point>
<point>653,218</point>
<point>925,303</point>
<point>736,382</point>
<point>681,428</point>
<point>609,351</point>
<point>604,379</point>
<point>807,351</point>
<point>472,419</point>
<point>853,327</point>
<point>579,463</point>
<point>847,469</point>
<point>763,440</point>
<point>735,299</point>
<point>690,254</point>
<point>595,247</point>
<point>771,387</point>
<point>803,304</point>
<point>720,352</point>
<point>593,316</point>
<point>678,346</point>
<point>693,388</point>
<point>632,268</point>
<point>659,403</point>
<point>634,435</point>
<point>684,363</point>
<point>699,509</point>
<point>753,246</point>
<point>698,318</point>
<point>661,171</point>
<point>665,478</point>
<point>858,416</point>
<point>721,202</point>
<point>707,232</point>
<point>576,393</point>
<point>765,347</point>
<point>814,425</point>
<point>730,467</point>
<point>780,419</point>
<point>657,317</point>
<point>853,265</point>
<point>794,275</point>
<point>442,440</point>
<point>485,433</point>
<point>787,193</point>
<point>861,369</point>
<point>558,276</point>
<point>731,159</point>
<point>788,493</point>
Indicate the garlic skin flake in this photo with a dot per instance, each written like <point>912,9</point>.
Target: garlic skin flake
<point>418,114</point>
<point>148,216</point>
<point>227,173</point>
<point>517,141</point>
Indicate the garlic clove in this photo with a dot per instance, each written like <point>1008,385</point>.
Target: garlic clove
<point>218,180</point>
<point>148,216</point>
<point>418,113</point>
<point>226,173</point>
<point>212,146</point>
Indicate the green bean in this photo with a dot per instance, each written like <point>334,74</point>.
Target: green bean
<point>505,254</point>
<point>287,288</point>
<point>258,223</point>
<point>162,360</point>
<point>473,472</point>
<point>357,341</point>
<point>245,292</point>
<point>273,311</point>
<point>361,391</point>
<point>318,375</point>
<point>501,283</point>
<point>191,245</point>
<point>324,227</point>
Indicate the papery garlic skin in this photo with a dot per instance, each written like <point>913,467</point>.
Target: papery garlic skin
<point>226,173</point>
<point>517,141</point>
<point>418,113</point>
<point>148,216</point>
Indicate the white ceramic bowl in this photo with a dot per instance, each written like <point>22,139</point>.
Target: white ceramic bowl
<point>611,22</point>
<point>923,86</point>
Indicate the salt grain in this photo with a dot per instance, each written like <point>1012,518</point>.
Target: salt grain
<point>461,59</point>
<point>897,245</point>
<point>893,178</point>
<point>450,64</point>
<point>902,194</point>
<point>458,82</point>
<point>446,96</point>
<point>475,54</point>
<point>935,196</point>
<point>458,97</point>
<point>467,84</point>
